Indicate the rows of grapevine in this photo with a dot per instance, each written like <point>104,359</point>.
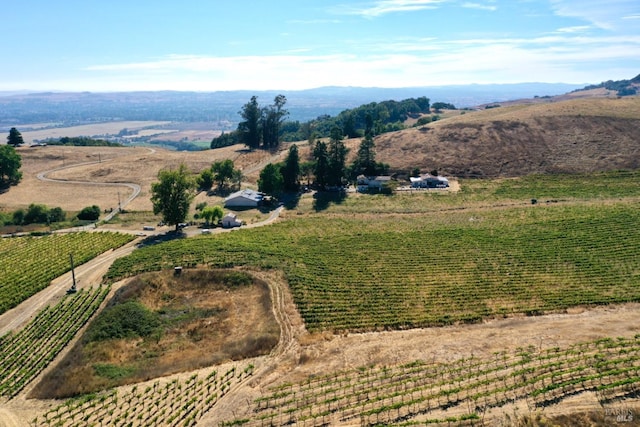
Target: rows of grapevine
<point>164,403</point>
<point>389,272</point>
<point>28,264</point>
<point>23,355</point>
<point>460,393</point>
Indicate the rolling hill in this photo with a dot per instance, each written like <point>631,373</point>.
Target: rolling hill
<point>577,135</point>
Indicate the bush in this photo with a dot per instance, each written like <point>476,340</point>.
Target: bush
<point>36,214</point>
<point>127,320</point>
<point>90,213</point>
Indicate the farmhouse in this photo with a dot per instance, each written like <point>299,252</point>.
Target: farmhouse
<point>231,220</point>
<point>243,199</point>
<point>366,183</point>
<point>429,181</point>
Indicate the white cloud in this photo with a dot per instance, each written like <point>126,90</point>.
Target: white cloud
<point>382,7</point>
<point>607,15</point>
<point>489,7</point>
<point>574,29</point>
<point>558,57</point>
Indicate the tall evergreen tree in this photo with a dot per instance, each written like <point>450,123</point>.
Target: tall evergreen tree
<point>15,137</point>
<point>365,162</point>
<point>321,169</point>
<point>249,132</point>
<point>272,118</point>
<point>337,157</point>
<point>291,169</point>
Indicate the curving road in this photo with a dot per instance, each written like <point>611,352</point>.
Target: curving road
<point>42,176</point>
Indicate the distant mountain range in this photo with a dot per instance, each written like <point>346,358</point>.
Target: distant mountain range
<point>221,108</point>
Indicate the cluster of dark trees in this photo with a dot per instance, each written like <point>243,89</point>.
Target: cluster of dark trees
<point>266,127</point>
<point>622,87</point>
<point>42,214</point>
<point>327,165</point>
<point>82,141</point>
<point>34,214</point>
<point>260,126</point>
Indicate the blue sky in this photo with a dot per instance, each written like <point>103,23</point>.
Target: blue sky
<point>100,45</point>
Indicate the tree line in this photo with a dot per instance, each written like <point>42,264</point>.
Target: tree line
<point>266,127</point>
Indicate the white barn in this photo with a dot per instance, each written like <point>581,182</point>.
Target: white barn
<point>243,199</point>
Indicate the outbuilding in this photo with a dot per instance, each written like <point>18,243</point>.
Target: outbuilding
<point>231,220</point>
<point>429,181</point>
<point>244,199</point>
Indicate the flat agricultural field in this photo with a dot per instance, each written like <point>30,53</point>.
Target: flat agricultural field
<point>94,130</point>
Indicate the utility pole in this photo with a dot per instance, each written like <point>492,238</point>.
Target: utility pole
<point>73,289</point>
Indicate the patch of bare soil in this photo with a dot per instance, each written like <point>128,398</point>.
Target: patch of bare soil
<point>201,317</point>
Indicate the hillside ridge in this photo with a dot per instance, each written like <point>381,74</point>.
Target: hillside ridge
<point>572,136</point>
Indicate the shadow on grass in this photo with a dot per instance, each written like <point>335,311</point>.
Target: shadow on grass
<point>161,238</point>
<point>323,199</point>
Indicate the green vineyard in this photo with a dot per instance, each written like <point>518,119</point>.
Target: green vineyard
<point>29,264</point>
<point>23,355</point>
<point>170,403</point>
<point>462,393</point>
<point>405,271</point>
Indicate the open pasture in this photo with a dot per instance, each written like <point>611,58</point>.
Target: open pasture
<point>29,264</point>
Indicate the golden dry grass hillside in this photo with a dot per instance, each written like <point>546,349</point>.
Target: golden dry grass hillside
<point>579,135</point>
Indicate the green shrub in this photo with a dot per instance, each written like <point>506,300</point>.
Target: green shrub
<point>126,320</point>
<point>89,213</point>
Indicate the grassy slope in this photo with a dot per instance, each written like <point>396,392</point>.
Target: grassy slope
<point>579,135</point>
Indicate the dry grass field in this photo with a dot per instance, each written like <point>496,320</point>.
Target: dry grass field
<point>108,165</point>
<point>579,135</point>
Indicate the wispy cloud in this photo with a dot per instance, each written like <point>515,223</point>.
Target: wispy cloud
<point>383,7</point>
<point>568,57</point>
<point>574,29</point>
<point>489,7</point>
<point>607,15</point>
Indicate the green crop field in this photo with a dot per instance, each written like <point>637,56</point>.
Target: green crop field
<point>28,264</point>
<point>23,355</point>
<point>354,271</point>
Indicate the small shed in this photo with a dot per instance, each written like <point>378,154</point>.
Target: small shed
<point>231,220</point>
<point>244,199</point>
